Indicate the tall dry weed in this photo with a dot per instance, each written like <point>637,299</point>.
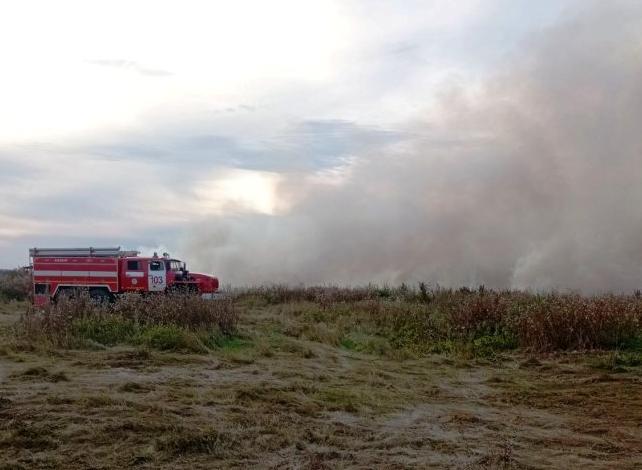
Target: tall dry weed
<point>418,316</point>
<point>562,322</point>
<point>56,322</point>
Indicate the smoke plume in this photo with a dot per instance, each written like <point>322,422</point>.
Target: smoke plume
<point>532,179</point>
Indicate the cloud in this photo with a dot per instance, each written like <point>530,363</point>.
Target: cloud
<point>308,144</point>
<point>130,65</point>
<point>164,177</point>
<point>531,180</point>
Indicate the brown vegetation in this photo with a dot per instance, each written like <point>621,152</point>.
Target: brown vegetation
<point>391,378</point>
<point>422,318</point>
<point>15,285</point>
<point>167,321</point>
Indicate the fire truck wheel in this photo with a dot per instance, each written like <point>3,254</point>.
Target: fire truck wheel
<point>99,296</point>
<point>66,293</point>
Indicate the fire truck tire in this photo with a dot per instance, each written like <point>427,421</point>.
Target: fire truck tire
<point>100,295</point>
<point>65,292</point>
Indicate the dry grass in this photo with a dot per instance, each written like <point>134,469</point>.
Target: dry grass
<point>334,384</point>
<point>164,322</point>
<point>426,320</point>
<point>189,311</point>
<point>573,322</point>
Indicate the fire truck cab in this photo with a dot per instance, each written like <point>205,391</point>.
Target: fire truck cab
<point>107,272</point>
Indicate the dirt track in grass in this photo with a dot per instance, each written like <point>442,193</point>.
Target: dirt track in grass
<point>277,400</point>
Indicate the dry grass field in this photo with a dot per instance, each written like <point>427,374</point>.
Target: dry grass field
<point>320,379</point>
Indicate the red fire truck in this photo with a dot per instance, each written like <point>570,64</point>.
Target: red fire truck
<point>107,272</point>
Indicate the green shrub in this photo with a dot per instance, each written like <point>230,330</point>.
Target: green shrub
<point>361,342</point>
<point>107,331</point>
<point>490,345</point>
<point>168,338</point>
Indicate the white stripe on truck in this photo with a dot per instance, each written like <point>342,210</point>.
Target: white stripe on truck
<point>75,273</point>
<point>134,274</point>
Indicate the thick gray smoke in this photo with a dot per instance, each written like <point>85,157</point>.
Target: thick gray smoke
<point>533,181</point>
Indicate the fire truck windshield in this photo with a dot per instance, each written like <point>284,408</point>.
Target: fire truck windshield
<point>175,265</point>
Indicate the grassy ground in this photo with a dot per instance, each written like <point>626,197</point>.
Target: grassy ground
<point>292,389</point>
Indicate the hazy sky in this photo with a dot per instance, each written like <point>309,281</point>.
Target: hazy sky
<point>272,141</point>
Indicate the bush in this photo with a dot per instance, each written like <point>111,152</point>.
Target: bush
<point>171,338</point>
<point>188,311</point>
<point>107,330</point>
<point>324,295</point>
<point>515,319</point>
<point>555,322</point>
<point>367,319</point>
<point>424,320</point>
<point>488,346</point>
<point>164,322</point>
<point>15,285</point>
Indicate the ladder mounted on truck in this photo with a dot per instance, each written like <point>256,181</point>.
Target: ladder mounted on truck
<point>89,252</point>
